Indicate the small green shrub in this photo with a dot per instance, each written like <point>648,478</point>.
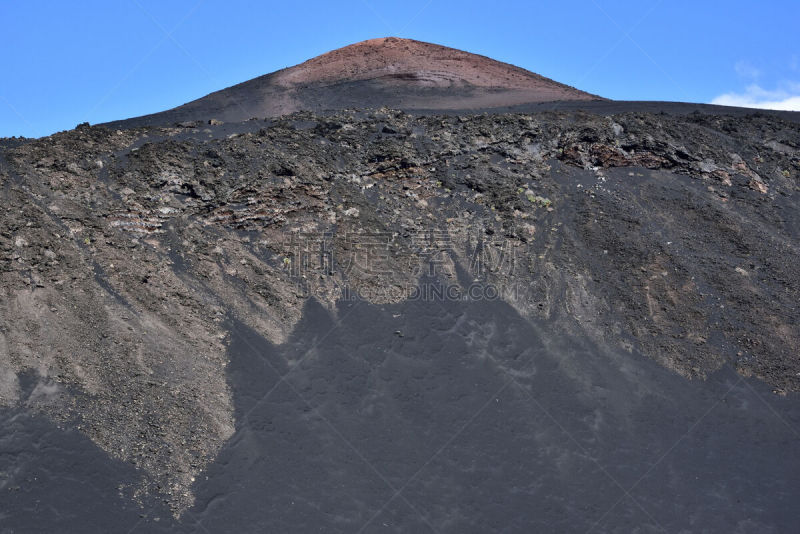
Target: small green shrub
<point>540,201</point>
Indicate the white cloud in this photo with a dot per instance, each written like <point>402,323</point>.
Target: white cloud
<point>754,96</point>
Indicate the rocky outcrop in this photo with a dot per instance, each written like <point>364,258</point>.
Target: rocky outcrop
<point>125,252</point>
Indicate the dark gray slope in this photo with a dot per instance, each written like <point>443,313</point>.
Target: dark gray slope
<point>472,421</point>
<point>56,480</point>
<point>261,98</point>
<point>369,95</point>
<point>670,248</point>
<point>611,107</point>
<point>487,424</point>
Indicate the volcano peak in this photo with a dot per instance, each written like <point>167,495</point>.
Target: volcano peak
<point>406,61</point>
<point>385,72</point>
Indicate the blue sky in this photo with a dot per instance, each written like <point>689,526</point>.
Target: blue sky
<point>63,63</point>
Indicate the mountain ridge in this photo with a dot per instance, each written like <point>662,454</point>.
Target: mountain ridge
<point>390,72</point>
<point>214,323</point>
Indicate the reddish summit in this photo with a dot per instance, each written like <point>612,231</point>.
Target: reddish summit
<point>386,72</point>
<point>429,65</point>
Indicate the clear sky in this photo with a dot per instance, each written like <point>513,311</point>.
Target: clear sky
<point>62,63</point>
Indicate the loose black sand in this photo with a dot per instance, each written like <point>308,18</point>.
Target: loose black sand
<point>472,421</point>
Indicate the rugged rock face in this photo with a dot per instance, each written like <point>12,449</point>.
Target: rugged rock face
<point>126,253</point>
<point>399,73</point>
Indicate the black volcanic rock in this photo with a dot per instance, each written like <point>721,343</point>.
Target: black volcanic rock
<point>567,316</point>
